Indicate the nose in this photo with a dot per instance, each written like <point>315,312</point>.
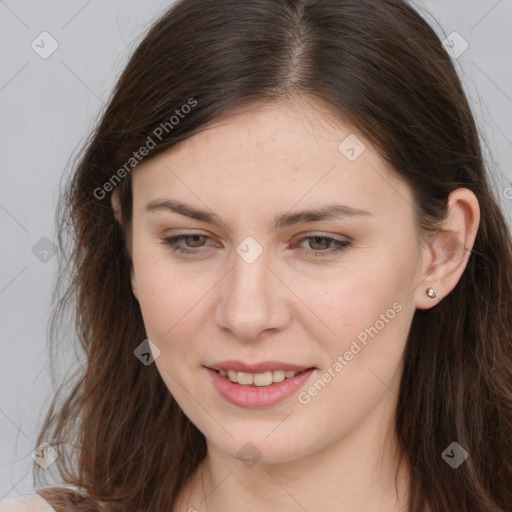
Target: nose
<point>253,299</point>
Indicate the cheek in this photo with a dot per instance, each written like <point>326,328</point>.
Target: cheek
<point>166,296</point>
<point>362,324</point>
<point>365,316</point>
<point>359,293</point>
<point>169,307</point>
<point>362,360</point>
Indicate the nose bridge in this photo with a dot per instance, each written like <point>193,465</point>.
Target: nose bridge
<point>250,303</point>
<point>248,284</point>
<point>250,276</point>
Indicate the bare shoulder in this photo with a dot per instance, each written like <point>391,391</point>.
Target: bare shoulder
<point>26,503</point>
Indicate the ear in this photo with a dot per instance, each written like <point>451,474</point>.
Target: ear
<point>116,207</point>
<point>116,204</point>
<point>447,252</point>
<point>133,280</point>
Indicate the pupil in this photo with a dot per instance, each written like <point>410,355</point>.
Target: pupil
<point>316,240</point>
<point>195,237</point>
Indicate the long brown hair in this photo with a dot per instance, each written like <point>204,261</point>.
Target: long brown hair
<point>375,63</point>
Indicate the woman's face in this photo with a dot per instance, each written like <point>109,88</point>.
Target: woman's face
<point>248,292</point>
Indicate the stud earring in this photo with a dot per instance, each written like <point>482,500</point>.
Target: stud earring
<point>431,293</point>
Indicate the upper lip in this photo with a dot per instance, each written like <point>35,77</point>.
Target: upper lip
<point>264,366</point>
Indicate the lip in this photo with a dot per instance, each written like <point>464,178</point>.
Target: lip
<point>264,366</point>
<point>253,397</point>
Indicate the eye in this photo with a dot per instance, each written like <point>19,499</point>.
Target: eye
<point>334,245</point>
<point>197,240</point>
<point>172,241</point>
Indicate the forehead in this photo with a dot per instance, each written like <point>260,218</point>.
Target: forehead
<point>278,155</point>
<point>289,130</point>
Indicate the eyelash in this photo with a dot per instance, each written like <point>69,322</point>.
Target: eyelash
<point>340,245</point>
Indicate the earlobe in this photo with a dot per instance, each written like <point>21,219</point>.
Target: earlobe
<point>449,249</point>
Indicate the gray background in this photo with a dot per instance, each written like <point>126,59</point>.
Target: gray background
<point>47,106</point>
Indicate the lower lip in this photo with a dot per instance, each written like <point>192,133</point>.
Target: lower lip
<point>257,396</point>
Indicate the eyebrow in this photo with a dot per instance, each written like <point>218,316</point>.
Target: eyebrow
<point>331,211</point>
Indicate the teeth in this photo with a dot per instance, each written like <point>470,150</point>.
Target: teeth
<point>244,378</point>
<point>258,379</point>
<point>279,375</point>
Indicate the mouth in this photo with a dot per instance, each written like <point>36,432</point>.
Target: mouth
<point>262,388</point>
<point>260,379</point>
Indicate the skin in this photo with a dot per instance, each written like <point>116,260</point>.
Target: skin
<point>337,451</point>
